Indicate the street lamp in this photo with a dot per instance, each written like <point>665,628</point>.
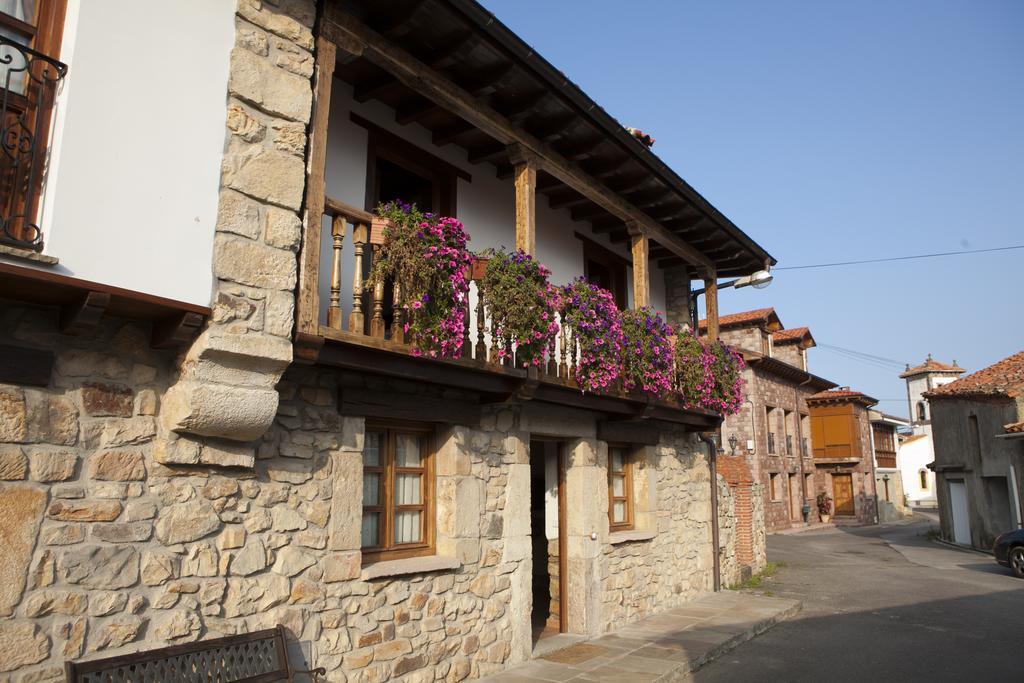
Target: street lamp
<point>758,280</point>
<point>732,444</point>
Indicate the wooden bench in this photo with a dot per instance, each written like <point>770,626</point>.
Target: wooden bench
<point>258,657</point>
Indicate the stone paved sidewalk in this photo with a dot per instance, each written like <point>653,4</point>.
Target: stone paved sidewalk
<point>665,647</point>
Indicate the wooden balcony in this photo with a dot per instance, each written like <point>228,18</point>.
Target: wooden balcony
<point>366,335</point>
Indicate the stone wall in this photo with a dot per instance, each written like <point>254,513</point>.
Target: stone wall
<point>110,551</point>
<point>225,388</point>
<point>750,424</point>
<point>643,577</point>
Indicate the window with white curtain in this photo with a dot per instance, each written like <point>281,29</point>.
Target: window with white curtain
<point>397,493</point>
<point>620,488</point>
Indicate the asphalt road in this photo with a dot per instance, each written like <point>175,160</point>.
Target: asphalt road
<point>886,604</point>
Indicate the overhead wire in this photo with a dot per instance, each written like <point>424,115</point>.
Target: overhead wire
<point>899,258</point>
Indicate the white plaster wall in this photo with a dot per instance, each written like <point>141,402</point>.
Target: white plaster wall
<point>131,195</point>
<point>911,458</point>
<point>485,205</point>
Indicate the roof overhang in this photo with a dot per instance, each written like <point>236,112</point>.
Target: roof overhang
<point>778,368</point>
<point>452,67</point>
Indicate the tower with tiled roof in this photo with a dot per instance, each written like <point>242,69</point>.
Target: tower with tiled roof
<point>922,378</point>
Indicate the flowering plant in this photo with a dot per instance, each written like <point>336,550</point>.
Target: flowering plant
<point>591,313</point>
<point>521,303</point>
<point>693,376</point>
<point>726,366</point>
<point>708,374</point>
<point>648,354</point>
<point>426,256</point>
<point>824,504</point>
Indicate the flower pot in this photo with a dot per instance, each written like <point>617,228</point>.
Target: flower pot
<point>825,519</point>
<point>377,228</point>
<point>479,268</point>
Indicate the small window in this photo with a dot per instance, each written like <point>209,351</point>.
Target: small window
<point>922,414</point>
<point>769,413</point>
<point>620,489</point>
<point>398,491</point>
<point>924,479</point>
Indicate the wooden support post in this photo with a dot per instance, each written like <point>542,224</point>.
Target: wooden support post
<point>711,304</point>
<point>307,311</point>
<point>360,233</point>
<point>640,246</point>
<point>397,316</point>
<point>525,174</point>
<point>338,226</point>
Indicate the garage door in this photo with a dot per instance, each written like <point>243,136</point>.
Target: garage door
<point>961,518</point>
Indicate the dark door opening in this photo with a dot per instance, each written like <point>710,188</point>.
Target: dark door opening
<point>546,532</point>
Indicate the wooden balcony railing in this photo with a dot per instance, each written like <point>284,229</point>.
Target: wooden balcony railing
<point>373,316</point>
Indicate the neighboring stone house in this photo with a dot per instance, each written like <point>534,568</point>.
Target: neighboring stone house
<point>885,445</point>
<point>979,460</point>
<point>843,456</point>
<point>916,452</point>
<point>209,425</point>
<point>772,430</point>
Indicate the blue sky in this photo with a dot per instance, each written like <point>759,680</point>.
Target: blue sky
<point>833,131</point>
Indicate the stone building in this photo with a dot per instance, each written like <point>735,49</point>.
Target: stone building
<point>843,455</point>
<point>210,425</point>
<point>772,430</point>
<point>979,455</point>
<point>917,451</point>
<point>885,446</point>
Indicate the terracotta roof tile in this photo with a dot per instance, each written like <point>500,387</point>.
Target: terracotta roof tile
<point>1005,378</point>
<point>1015,428</point>
<point>795,335</point>
<point>931,365</point>
<point>840,393</point>
<point>745,318</point>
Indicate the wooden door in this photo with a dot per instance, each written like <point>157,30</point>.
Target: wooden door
<point>842,494</point>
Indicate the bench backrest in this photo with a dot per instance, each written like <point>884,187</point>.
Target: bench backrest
<point>258,657</point>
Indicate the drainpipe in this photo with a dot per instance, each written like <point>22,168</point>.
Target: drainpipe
<point>800,448</point>
<point>713,464</point>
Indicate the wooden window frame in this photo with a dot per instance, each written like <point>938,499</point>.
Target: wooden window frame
<point>383,144</point>
<point>45,36</point>
<point>617,265</point>
<point>627,483</point>
<point>387,508</point>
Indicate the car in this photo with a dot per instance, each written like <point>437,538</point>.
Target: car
<point>1009,551</point>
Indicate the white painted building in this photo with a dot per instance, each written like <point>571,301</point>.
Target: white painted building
<point>916,451</point>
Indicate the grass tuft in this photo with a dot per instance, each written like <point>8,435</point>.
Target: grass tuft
<point>755,581</point>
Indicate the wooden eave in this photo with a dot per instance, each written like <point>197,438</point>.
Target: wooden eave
<point>453,68</point>
<point>82,304</point>
<point>791,373</point>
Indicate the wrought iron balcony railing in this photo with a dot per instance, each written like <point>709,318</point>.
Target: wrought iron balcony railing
<point>28,86</point>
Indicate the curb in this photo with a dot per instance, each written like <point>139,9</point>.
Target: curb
<point>691,665</point>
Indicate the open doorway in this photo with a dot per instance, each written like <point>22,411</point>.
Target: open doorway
<point>547,524</point>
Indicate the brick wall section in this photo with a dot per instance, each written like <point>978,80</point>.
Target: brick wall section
<point>736,473</point>
<point>764,389</point>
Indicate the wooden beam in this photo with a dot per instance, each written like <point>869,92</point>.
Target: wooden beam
<point>307,311</point>
<point>526,106</point>
<point>84,316</point>
<point>373,88</point>
<point>415,112</point>
<point>525,165</point>
<point>711,303</point>
<point>590,210</point>
<point>487,152</point>
<point>640,245</point>
<point>429,83</point>
<point>393,405</point>
<point>448,134</point>
<point>176,330</point>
